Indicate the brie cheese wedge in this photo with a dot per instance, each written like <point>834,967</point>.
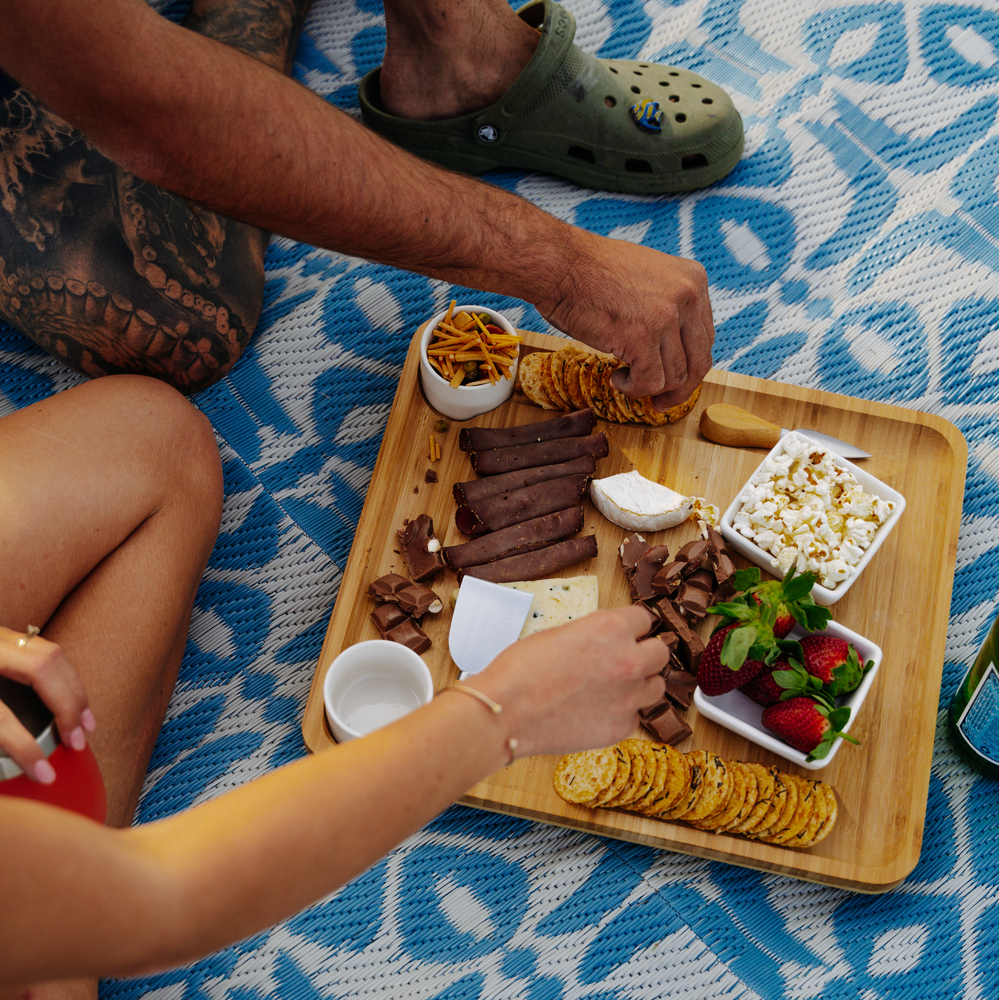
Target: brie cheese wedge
<point>634,502</point>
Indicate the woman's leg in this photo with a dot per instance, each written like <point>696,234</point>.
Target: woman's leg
<point>110,274</point>
<point>109,508</point>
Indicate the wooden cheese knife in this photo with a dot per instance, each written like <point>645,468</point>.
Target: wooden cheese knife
<point>726,424</point>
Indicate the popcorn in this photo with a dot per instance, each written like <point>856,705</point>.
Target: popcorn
<point>809,513</point>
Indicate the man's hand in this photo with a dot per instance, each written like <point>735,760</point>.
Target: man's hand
<point>580,685</point>
<point>647,308</point>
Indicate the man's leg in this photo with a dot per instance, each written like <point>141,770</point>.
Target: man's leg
<point>111,274</point>
<point>445,58</point>
<point>104,536</point>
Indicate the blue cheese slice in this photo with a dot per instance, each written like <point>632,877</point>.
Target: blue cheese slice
<point>557,601</point>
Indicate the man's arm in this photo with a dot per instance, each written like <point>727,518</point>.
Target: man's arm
<point>128,901</point>
<point>223,130</point>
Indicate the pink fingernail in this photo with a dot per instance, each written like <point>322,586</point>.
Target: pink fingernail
<point>44,772</point>
<point>88,720</point>
<point>77,740</point>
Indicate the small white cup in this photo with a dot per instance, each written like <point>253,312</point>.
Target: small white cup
<point>464,401</point>
<point>371,684</point>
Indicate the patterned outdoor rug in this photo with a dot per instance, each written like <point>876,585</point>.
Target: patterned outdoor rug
<point>855,249</point>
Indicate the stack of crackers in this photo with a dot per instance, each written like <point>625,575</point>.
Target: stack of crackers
<point>574,379</point>
<point>698,787</point>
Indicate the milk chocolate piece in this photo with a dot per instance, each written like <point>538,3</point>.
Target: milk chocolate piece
<point>516,539</point>
<point>386,588</point>
<point>671,640</point>
<point>668,578</point>
<point>504,509</point>
<point>702,579</point>
<point>668,727</point>
<point>430,476</point>
<point>631,550</point>
<point>693,555</point>
<point>409,634</point>
<point>417,599</point>
<point>654,627</point>
<point>420,548</point>
<point>645,569</point>
<point>691,648</point>
<point>680,687</point>
<point>476,490</point>
<point>387,616</point>
<point>694,601</point>
<point>568,425</point>
<point>538,564</point>
<point>527,456</point>
<point>651,711</point>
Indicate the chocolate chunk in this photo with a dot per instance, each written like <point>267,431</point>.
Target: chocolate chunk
<point>387,616</point>
<point>420,548</point>
<point>702,579</point>
<point>693,554</point>
<point>654,627</point>
<point>668,727</point>
<point>538,564</point>
<point>651,711</point>
<point>694,601</point>
<point>417,599</point>
<point>516,539</point>
<point>680,687</point>
<point>671,641</point>
<point>668,578</point>
<point>409,634</point>
<point>569,425</point>
<point>430,476</point>
<point>386,588</point>
<point>527,456</point>
<point>690,648</point>
<point>504,509</point>
<point>645,569</point>
<point>476,490</point>
<point>631,550</point>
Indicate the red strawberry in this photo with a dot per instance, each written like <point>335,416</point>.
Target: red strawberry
<point>790,601</point>
<point>807,725</point>
<point>726,664</point>
<point>764,689</point>
<point>834,662</point>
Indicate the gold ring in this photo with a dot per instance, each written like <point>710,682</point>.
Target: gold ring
<point>33,630</point>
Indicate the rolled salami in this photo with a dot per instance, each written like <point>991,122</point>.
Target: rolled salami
<point>568,425</point>
<point>527,456</point>
<point>478,489</point>
<point>504,509</point>
<point>538,564</point>
<point>516,539</point>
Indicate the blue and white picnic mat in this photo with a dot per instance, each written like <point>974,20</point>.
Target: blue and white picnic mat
<point>855,249</point>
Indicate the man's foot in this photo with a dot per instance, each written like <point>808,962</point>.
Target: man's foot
<point>452,60</point>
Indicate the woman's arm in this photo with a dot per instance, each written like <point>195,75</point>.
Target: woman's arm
<point>163,894</point>
<point>222,129</point>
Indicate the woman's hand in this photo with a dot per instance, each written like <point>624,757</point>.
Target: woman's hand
<point>32,660</point>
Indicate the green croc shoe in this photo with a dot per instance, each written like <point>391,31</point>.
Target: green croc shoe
<point>571,114</point>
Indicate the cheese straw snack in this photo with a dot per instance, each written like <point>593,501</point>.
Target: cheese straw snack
<point>469,349</point>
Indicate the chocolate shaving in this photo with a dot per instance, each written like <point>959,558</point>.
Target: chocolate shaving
<point>538,564</point>
<point>527,456</point>
<point>568,425</point>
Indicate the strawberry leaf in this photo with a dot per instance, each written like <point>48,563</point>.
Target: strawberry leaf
<point>746,579</point>
<point>737,645</point>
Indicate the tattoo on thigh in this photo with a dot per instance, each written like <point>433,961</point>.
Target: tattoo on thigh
<point>111,274</point>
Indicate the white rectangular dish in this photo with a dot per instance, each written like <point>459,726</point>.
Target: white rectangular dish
<point>742,715</point>
<point>754,553</point>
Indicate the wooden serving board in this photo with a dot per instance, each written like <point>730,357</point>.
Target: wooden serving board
<point>901,603</point>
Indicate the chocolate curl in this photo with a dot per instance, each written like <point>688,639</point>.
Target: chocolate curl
<point>527,456</point>
<point>538,564</point>
<point>504,509</point>
<point>569,425</point>
<point>476,490</point>
<point>516,539</point>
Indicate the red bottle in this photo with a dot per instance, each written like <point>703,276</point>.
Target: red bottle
<point>78,785</point>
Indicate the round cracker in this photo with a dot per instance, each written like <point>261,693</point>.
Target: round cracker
<point>743,780</point>
<point>786,811</point>
<point>554,392</point>
<point>798,819</point>
<point>673,777</point>
<point>637,785</point>
<point>570,376</point>
<point>608,393</point>
<point>769,800</point>
<point>750,797</point>
<point>618,782</point>
<point>715,786</point>
<point>531,382</point>
<point>581,777</point>
<point>829,822</point>
<point>820,810</point>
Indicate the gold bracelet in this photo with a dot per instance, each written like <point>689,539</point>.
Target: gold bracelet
<point>494,706</point>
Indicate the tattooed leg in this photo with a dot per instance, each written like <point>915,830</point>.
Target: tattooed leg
<point>110,274</point>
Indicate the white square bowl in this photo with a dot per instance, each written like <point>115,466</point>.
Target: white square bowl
<point>742,715</point>
<point>820,594</point>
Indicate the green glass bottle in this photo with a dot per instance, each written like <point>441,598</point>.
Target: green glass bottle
<point>974,710</point>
